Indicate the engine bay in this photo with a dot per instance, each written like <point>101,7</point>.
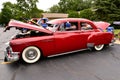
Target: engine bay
<point>30,33</point>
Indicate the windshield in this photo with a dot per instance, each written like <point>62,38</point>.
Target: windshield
<point>52,27</point>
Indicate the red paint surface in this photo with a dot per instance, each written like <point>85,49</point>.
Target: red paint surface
<point>60,41</point>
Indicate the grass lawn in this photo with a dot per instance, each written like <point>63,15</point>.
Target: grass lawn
<point>116,31</point>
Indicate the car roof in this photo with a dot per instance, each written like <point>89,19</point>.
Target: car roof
<point>57,21</point>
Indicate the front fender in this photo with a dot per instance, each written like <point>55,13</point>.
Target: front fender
<point>99,38</point>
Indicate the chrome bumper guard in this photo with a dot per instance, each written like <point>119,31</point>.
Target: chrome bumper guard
<point>112,42</point>
<point>11,56</point>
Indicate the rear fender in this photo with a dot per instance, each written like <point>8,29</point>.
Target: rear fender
<point>99,38</point>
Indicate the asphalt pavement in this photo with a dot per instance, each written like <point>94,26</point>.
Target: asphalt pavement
<point>4,38</point>
<point>83,65</point>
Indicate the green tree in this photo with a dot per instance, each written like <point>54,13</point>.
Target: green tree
<point>27,8</point>
<point>74,5</point>
<point>73,14</point>
<point>87,13</point>
<point>22,9</point>
<point>54,9</point>
<point>6,13</point>
<point>107,10</point>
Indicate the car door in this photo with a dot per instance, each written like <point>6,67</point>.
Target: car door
<point>69,40</point>
<point>87,31</point>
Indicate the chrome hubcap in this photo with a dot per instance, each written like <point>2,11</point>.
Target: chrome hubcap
<point>31,54</point>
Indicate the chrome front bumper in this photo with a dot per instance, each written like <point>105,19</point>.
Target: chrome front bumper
<point>11,56</point>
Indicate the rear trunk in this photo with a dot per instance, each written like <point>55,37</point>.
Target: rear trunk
<point>102,25</point>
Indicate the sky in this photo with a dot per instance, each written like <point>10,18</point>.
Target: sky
<point>43,4</point>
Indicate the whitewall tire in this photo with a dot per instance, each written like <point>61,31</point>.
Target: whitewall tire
<point>31,54</point>
<point>99,47</point>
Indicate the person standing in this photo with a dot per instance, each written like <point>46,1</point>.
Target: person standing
<point>110,29</point>
<point>42,22</point>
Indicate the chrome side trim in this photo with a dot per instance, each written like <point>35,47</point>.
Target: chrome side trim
<point>89,45</point>
<point>67,52</point>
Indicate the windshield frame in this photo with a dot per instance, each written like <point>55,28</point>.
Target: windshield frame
<point>52,27</point>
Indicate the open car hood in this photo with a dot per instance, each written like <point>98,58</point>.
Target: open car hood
<point>102,25</point>
<point>19,24</point>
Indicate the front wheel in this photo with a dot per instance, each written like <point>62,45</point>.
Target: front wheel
<point>99,47</point>
<point>31,54</point>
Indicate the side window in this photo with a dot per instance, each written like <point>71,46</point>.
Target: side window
<point>61,27</point>
<point>74,25</point>
<point>68,26</point>
<point>85,26</point>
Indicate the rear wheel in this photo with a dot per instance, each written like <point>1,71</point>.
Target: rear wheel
<point>31,54</point>
<point>99,47</point>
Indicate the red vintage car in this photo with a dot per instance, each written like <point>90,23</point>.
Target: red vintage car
<point>61,36</point>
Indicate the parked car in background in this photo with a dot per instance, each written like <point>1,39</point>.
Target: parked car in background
<point>65,35</point>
